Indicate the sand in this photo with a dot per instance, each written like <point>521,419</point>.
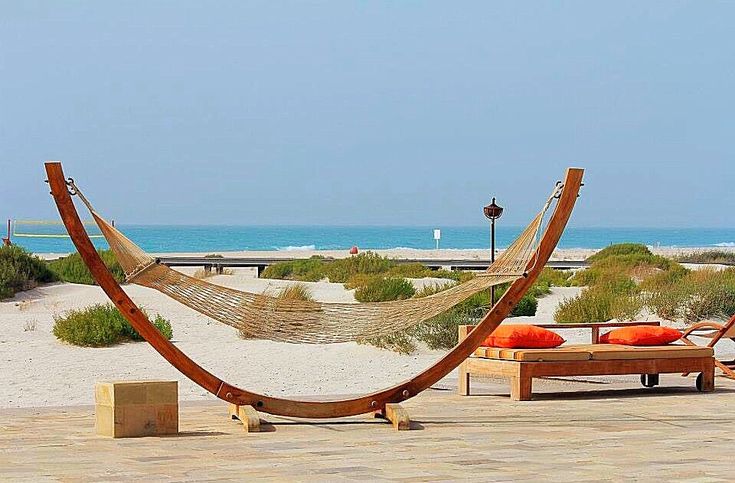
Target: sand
<point>38,370</point>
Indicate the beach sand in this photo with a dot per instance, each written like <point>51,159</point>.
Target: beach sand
<point>38,370</point>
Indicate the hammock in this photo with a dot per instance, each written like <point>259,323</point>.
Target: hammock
<point>297,321</point>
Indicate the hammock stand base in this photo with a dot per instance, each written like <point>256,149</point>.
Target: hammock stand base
<point>377,401</point>
<point>247,415</point>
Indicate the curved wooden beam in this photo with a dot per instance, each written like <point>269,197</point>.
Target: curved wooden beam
<point>301,408</point>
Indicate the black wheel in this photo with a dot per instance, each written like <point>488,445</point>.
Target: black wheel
<point>649,380</point>
<point>699,382</point>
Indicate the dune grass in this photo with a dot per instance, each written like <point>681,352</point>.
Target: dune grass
<point>20,270</point>
<point>710,256</point>
<point>624,279</point>
<point>297,291</point>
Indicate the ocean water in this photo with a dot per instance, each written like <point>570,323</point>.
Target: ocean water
<point>160,238</point>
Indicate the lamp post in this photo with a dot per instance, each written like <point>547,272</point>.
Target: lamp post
<point>492,213</point>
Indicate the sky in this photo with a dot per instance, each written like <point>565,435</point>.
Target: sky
<point>370,112</point>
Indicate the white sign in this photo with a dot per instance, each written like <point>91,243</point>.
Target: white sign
<point>437,234</point>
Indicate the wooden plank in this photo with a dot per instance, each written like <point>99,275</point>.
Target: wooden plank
<point>397,415</point>
<point>617,367</point>
<point>250,418</point>
<point>247,415</point>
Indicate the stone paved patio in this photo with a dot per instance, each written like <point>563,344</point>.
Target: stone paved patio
<point>575,431</point>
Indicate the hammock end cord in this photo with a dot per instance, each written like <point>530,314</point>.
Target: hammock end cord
<point>555,195</point>
<point>75,191</point>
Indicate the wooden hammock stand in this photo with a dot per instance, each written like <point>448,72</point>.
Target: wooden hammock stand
<point>383,402</point>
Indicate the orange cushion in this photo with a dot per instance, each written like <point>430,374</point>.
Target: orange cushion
<point>641,335</point>
<point>518,336</point>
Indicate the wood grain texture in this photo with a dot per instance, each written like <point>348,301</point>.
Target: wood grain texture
<point>310,408</point>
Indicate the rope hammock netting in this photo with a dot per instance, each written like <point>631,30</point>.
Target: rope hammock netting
<point>297,321</point>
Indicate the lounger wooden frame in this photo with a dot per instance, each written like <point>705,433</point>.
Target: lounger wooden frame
<point>521,373</point>
<point>715,332</point>
<point>369,403</point>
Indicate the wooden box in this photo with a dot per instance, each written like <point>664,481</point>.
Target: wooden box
<point>128,409</point>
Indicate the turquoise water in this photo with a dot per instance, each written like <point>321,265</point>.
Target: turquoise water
<point>161,238</point>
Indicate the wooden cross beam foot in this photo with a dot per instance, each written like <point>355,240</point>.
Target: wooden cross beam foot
<point>396,414</point>
<point>247,415</point>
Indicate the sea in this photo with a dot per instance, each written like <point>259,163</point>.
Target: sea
<point>209,239</point>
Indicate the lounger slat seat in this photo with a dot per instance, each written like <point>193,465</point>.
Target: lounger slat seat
<point>584,352</point>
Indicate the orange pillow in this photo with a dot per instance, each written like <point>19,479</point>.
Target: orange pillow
<point>641,335</point>
<point>519,336</point>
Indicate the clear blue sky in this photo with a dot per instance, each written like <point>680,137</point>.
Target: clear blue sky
<point>357,112</point>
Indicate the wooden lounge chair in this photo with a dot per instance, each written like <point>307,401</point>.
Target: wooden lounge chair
<point>522,365</point>
<point>715,332</point>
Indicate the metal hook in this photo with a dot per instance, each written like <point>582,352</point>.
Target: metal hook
<point>559,189</point>
<point>72,187</point>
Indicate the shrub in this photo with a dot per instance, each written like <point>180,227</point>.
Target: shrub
<point>620,249</point>
<point>309,270</point>
<point>401,342</point>
<point>525,307</point>
<point>598,304</point>
<point>695,296</point>
<point>359,280</point>
<point>410,270</point>
<point>384,289</point>
<point>19,270</point>
<point>440,332</point>
<point>555,278</point>
<point>73,270</point>
<point>432,289</point>
<point>710,256</point>
<point>365,263</point>
<point>100,325</point>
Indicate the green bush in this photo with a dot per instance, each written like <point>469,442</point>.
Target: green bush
<point>73,270</point>
<point>385,289</point>
<point>369,263</point>
<point>101,325</point>
<point>19,270</point>
<point>525,307</point>
<point>410,270</point>
<point>309,270</point>
<point>620,249</point>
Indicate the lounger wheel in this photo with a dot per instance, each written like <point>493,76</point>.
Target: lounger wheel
<point>649,380</point>
<point>700,377</point>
